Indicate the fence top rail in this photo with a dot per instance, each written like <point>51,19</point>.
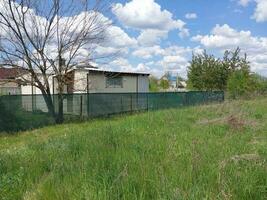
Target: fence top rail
<point>124,93</point>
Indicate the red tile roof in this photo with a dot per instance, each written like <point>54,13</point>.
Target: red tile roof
<point>9,73</point>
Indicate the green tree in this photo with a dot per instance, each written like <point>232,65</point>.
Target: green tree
<point>239,84</point>
<point>209,73</point>
<point>164,84</point>
<point>153,84</point>
<point>260,83</point>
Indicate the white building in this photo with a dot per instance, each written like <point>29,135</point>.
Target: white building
<point>92,80</point>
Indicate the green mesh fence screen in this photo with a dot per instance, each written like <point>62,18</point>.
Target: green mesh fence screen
<point>102,104</point>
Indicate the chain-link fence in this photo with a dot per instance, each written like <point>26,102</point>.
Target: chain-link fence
<point>104,104</point>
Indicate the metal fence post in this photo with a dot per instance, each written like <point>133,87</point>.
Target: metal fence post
<point>147,102</point>
<point>88,107</point>
<point>121,104</point>
<point>81,106</point>
<point>131,102</point>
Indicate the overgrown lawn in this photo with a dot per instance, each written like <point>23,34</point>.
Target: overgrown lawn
<point>206,152</point>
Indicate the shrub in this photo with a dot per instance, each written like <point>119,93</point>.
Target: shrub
<point>260,84</point>
<point>13,118</point>
<point>164,84</point>
<point>153,84</point>
<point>8,118</point>
<point>238,84</point>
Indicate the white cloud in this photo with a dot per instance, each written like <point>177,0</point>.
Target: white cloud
<point>148,52</point>
<point>116,37</point>
<point>159,60</point>
<point>224,37</point>
<point>177,50</point>
<point>148,17</point>
<point>106,51</point>
<point>146,14</point>
<point>117,40</point>
<point>150,37</point>
<point>174,59</point>
<point>260,14</point>
<point>184,33</point>
<point>244,2</point>
<point>121,62</point>
<point>142,68</point>
<point>191,16</point>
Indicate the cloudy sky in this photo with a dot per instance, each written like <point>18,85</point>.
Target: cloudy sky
<point>156,36</point>
<point>160,35</point>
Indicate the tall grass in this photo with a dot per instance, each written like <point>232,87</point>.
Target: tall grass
<point>206,152</point>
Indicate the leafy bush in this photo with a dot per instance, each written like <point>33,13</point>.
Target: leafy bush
<point>13,118</point>
<point>243,84</point>
<point>8,119</point>
<point>260,84</point>
<point>239,84</point>
<point>153,84</point>
<point>164,84</point>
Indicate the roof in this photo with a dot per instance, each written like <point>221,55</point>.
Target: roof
<point>9,73</point>
<point>112,71</point>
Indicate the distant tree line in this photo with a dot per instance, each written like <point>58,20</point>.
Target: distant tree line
<point>157,85</point>
<point>163,83</point>
<point>230,73</point>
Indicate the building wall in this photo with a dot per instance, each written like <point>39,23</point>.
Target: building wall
<point>143,83</point>
<point>9,88</point>
<point>28,89</point>
<point>97,83</point>
<point>80,81</point>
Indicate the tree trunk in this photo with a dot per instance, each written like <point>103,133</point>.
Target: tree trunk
<point>50,105</point>
<point>60,116</point>
<point>57,115</point>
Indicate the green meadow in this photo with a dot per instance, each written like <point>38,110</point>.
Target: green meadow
<point>216,151</point>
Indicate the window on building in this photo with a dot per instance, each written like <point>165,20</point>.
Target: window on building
<point>114,81</point>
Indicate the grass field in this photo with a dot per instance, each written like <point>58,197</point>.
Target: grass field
<point>205,152</point>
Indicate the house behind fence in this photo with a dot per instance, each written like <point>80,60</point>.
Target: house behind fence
<point>81,79</point>
<point>8,83</point>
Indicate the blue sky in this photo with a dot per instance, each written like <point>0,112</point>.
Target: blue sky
<point>157,36</point>
<point>160,35</point>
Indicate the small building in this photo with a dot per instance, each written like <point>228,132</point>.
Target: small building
<point>8,83</point>
<point>175,82</point>
<point>181,85</point>
<point>82,79</point>
<point>93,80</point>
<point>87,79</point>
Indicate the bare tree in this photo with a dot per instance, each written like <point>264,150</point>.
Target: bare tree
<point>45,38</point>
